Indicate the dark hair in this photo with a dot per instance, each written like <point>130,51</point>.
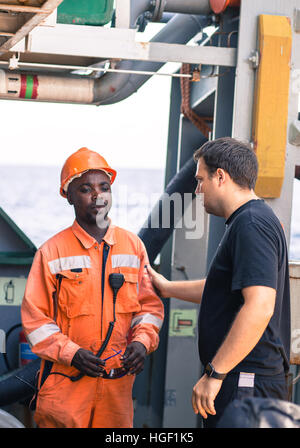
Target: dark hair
<point>236,158</point>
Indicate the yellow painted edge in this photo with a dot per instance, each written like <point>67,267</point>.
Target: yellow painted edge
<point>271,103</point>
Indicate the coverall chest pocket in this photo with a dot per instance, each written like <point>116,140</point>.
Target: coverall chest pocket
<point>127,299</point>
<point>75,293</point>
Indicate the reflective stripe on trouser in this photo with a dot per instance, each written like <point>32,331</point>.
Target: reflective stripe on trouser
<point>88,403</point>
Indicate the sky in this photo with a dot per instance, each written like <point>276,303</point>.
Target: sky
<point>131,134</point>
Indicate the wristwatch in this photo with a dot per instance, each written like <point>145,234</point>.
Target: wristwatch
<point>210,372</point>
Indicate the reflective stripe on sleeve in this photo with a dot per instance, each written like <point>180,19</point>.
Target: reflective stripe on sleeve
<point>125,260</point>
<point>42,333</point>
<point>147,319</point>
<point>66,263</point>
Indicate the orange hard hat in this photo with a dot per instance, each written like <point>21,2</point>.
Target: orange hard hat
<point>81,161</point>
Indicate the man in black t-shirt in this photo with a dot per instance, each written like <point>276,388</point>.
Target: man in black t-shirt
<point>244,319</point>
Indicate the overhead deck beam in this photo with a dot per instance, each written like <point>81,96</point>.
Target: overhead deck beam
<point>101,43</point>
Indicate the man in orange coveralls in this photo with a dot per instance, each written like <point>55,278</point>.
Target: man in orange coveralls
<point>68,310</point>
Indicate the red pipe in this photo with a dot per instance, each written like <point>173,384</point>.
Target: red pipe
<point>219,6</point>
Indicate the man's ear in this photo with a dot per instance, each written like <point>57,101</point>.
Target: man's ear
<point>69,197</point>
<point>221,175</point>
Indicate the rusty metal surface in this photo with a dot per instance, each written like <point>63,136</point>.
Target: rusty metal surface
<point>295,359</point>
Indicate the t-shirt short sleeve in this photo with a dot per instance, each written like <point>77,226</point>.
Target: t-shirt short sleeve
<point>254,254</point>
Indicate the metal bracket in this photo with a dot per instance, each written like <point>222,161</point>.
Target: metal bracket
<point>294,133</point>
<point>14,62</point>
<point>254,59</point>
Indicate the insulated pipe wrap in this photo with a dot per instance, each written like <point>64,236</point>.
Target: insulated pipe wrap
<point>45,88</point>
<point>54,89</point>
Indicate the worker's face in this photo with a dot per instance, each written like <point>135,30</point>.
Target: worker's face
<point>209,186</point>
<point>90,195</point>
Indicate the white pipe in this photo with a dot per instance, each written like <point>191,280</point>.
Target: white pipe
<point>16,86</point>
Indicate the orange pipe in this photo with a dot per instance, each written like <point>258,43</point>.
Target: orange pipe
<point>219,6</point>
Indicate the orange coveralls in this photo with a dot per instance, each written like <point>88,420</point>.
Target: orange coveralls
<point>85,308</point>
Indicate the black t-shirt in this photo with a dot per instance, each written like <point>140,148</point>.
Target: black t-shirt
<point>252,252</point>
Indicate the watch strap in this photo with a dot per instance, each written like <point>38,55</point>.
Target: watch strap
<point>211,372</point>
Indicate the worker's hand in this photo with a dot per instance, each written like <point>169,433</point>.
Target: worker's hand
<point>159,282</point>
<point>87,363</point>
<point>204,394</point>
<point>134,357</point>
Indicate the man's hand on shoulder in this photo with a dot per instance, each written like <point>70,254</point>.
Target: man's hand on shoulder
<point>159,282</point>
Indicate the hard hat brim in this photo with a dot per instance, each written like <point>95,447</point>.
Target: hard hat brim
<point>64,189</point>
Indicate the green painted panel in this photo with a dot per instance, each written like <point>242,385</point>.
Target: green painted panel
<point>183,322</point>
<point>85,12</point>
<point>19,258</point>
